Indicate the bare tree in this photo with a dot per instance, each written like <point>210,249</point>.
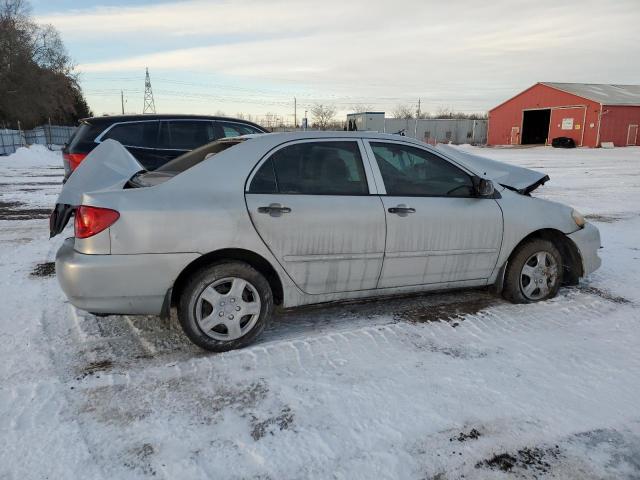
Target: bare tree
<point>37,81</point>
<point>445,112</point>
<point>402,111</point>
<point>322,115</point>
<point>361,108</point>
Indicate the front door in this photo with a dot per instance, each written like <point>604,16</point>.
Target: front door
<point>437,232</point>
<point>515,136</point>
<point>311,204</point>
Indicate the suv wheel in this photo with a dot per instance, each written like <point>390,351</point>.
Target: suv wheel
<point>534,273</point>
<point>225,306</point>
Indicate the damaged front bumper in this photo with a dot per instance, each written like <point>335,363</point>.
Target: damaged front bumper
<point>587,240</point>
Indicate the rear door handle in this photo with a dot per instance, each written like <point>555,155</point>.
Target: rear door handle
<point>402,210</point>
<point>274,209</point>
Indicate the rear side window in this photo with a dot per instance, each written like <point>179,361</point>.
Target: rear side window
<point>231,129</point>
<point>186,134</point>
<point>135,134</point>
<point>264,181</point>
<point>313,168</point>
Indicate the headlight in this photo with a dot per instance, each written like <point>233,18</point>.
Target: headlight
<point>578,218</point>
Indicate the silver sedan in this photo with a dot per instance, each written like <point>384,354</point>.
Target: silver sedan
<point>227,231</point>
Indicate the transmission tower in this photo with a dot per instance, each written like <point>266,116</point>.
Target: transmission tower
<point>149,104</point>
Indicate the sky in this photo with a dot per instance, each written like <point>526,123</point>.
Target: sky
<point>255,56</point>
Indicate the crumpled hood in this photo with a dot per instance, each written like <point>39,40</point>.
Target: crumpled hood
<point>108,167</point>
<point>520,179</point>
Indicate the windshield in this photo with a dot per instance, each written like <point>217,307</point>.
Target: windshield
<point>194,157</point>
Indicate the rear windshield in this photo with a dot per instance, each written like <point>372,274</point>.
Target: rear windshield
<point>79,135</point>
<point>194,157</point>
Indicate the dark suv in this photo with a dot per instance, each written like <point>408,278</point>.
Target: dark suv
<point>152,139</point>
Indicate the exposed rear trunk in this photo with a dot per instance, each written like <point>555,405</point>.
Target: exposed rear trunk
<point>108,167</point>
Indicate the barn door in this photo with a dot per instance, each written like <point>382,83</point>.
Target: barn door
<point>632,135</point>
<point>567,122</point>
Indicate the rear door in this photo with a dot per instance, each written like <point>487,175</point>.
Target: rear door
<point>437,232</point>
<point>312,204</point>
<point>179,136</point>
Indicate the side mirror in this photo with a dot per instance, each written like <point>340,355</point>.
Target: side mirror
<point>482,187</point>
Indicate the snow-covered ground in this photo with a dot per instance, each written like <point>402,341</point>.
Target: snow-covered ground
<point>440,386</point>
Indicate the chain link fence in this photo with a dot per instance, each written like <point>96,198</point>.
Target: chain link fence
<point>49,135</point>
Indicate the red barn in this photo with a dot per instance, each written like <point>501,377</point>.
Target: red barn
<point>589,113</point>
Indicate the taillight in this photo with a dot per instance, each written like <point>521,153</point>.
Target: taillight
<point>92,220</point>
<point>74,159</point>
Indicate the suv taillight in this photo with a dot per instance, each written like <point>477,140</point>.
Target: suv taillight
<point>92,220</point>
<point>74,159</point>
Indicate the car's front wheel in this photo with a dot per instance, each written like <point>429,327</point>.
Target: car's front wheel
<point>225,306</point>
<point>534,272</point>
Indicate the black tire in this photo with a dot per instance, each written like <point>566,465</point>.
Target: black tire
<point>513,280</point>
<point>206,277</point>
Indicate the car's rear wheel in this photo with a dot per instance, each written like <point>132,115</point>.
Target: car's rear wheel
<point>534,272</point>
<point>225,306</point>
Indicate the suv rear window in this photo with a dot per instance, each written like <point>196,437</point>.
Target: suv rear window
<point>82,139</point>
<point>135,134</point>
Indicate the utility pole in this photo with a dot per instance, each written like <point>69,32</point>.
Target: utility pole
<point>295,113</point>
<point>415,131</point>
<point>149,104</point>
<point>122,100</point>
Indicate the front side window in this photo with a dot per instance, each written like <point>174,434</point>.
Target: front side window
<point>411,171</point>
<point>313,168</point>
<point>134,134</point>
<point>231,129</point>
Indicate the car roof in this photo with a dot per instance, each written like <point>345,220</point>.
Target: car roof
<point>109,119</point>
<point>277,138</point>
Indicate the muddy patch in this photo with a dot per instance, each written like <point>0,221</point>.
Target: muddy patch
<point>46,269</point>
<point>604,294</point>
<point>535,460</point>
<point>28,184</point>
<point>472,434</point>
<point>465,353</point>
<point>602,218</point>
<point>139,459</point>
<point>13,211</point>
<point>205,402</point>
<point>283,421</point>
<point>94,368</point>
<point>56,175</point>
<point>452,312</point>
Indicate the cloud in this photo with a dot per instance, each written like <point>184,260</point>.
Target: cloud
<point>466,54</point>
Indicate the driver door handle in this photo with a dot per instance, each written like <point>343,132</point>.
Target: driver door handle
<point>402,210</point>
<point>274,209</point>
